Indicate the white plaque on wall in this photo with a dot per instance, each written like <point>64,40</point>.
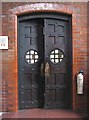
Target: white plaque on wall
<point>3,42</point>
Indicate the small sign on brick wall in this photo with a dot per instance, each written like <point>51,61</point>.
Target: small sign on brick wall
<point>3,42</point>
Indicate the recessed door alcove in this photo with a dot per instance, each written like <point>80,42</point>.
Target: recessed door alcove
<point>45,61</point>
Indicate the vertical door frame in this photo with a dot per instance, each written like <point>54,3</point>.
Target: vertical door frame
<point>49,15</point>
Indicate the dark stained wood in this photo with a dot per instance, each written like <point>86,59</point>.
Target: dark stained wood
<point>30,39</point>
<point>44,35</point>
<point>56,85</point>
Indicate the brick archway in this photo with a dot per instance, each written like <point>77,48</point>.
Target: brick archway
<point>42,7</point>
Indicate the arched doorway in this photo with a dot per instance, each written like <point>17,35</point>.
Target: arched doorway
<point>45,60</point>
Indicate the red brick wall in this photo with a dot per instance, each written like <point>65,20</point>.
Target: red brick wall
<point>88,56</point>
<point>9,57</point>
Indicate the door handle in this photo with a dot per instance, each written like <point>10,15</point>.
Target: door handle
<point>47,69</point>
<point>42,69</point>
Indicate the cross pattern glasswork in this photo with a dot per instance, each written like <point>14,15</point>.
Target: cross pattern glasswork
<point>31,56</point>
<point>56,56</point>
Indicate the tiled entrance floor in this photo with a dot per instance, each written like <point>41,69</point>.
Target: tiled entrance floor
<point>43,113</point>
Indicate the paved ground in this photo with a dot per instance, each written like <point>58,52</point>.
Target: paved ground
<point>43,113</point>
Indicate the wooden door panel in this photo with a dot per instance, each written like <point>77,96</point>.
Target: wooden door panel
<point>55,84</point>
<point>44,37</point>
<point>29,62</point>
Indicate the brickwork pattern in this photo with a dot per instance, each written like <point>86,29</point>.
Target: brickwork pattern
<point>10,11</point>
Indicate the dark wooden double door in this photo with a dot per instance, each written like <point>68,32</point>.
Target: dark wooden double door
<point>44,64</point>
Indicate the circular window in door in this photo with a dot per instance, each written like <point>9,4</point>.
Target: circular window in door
<point>56,56</point>
<point>31,56</point>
